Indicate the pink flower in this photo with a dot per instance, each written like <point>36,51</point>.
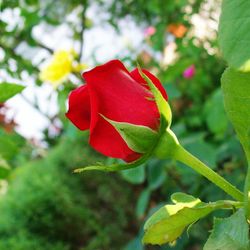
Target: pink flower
<point>189,72</point>
<point>149,31</point>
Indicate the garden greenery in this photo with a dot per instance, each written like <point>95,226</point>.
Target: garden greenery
<point>43,205</point>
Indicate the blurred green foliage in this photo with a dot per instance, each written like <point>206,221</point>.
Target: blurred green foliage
<point>46,206</point>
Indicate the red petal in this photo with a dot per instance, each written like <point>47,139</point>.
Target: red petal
<point>79,107</point>
<point>116,95</point>
<point>136,75</point>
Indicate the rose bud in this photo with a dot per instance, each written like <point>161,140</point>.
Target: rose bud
<point>118,108</point>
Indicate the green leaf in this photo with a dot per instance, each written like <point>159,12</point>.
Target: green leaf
<point>156,174</point>
<point>7,90</point>
<point>8,147</point>
<point>4,168</point>
<point>134,244</point>
<point>236,89</point>
<point>142,202</point>
<point>183,198</point>
<point>215,115</point>
<point>138,138</point>
<point>168,223</point>
<point>173,91</point>
<point>134,175</point>
<point>229,234</point>
<point>234,35</point>
<point>168,210</point>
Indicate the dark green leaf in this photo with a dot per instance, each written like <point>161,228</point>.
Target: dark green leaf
<point>215,115</point>
<point>173,91</point>
<point>229,234</point>
<point>156,174</point>
<point>236,89</point>
<point>142,202</point>
<point>134,175</point>
<point>234,35</point>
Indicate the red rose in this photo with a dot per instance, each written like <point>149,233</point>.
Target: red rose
<point>123,96</point>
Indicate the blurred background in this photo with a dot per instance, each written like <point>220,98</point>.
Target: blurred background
<point>45,45</point>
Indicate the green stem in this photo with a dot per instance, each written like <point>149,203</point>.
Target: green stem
<point>185,157</point>
<point>227,204</point>
<point>169,147</point>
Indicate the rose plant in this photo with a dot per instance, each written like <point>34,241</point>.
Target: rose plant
<point>129,118</point>
<point>114,105</point>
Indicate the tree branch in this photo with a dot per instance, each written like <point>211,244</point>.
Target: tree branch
<point>85,6</point>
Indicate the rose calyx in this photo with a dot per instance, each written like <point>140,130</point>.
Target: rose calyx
<point>139,138</point>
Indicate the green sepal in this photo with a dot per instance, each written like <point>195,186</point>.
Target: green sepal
<point>167,145</point>
<point>162,104</point>
<point>138,138</point>
<point>123,166</point>
<point>115,167</point>
<point>168,223</point>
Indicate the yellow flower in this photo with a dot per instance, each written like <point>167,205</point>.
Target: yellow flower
<point>79,67</point>
<point>57,70</point>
